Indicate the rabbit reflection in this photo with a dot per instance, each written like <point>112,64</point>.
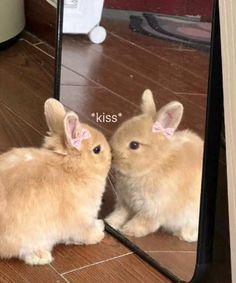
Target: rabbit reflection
<point>157,173</point>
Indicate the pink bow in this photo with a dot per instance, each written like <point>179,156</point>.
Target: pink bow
<point>84,135</point>
<point>158,128</point>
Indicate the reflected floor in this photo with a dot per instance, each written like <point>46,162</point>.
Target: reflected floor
<point>110,78</point>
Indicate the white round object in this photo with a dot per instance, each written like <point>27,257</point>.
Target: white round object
<point>97,34</point>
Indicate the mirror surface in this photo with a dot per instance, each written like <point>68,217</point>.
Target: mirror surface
<point>164,51</point>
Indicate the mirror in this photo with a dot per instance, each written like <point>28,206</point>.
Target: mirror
<point>106,66</point>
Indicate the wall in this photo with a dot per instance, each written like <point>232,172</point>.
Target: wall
<point>228,42</point>
<point>173,7</point>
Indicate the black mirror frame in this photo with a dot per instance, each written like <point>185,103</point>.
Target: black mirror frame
<point>211,157</point>
<point>57,81</point>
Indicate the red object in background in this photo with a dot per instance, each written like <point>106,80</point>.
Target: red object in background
<point>204,8</point>
<point>170,7</point>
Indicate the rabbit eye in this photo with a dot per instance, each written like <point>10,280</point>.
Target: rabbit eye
<point>134,145</point>
<point>97,149</point>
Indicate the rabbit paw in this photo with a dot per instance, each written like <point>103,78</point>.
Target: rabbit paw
<point>134,230</point>
<point>40,257</point>
<point>96,234</point>
<point>117,218</point>
<point>100,224</point>
<point>188,234</point>
<point>114,221</point>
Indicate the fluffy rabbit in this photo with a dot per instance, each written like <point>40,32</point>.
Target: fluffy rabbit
<point>158,173</point>
<point>53,194</point>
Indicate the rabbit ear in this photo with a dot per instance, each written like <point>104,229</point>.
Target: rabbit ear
<point>148,105</point>
<point>71,126</point>
<point>54,113</point>
<point>170,115</point>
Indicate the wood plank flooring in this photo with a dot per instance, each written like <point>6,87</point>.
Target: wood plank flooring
<point>26,80</point>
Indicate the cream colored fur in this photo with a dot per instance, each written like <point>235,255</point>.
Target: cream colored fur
<point>158,184</point>
<point>53,194</point>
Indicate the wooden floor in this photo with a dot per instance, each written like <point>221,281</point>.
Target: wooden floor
<point>26,80</point>
<point>111,77</point>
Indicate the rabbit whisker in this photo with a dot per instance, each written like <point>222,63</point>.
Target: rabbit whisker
<point>112,186</point>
